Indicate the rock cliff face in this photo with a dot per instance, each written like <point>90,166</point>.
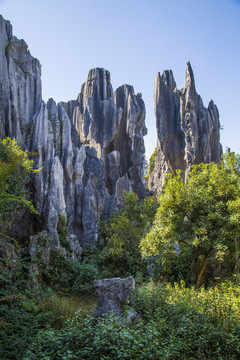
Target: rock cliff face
<point>20,85</point>
<point>187,132</point>
<point>90,149</point>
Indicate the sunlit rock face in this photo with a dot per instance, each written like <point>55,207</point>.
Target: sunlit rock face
<point>89,149</point>
<point>20,85</point>
<point>187,132</point>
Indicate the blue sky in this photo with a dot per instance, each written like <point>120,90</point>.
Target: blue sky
<point>135,39</point>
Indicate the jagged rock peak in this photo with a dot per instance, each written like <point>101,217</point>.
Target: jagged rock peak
<point>89,149</point>
<point>187,132</point>
<point>108,128</point>
<point>98,85</point>
<point>189,77</point>
<point>20,80</point>
<point>168,79</point>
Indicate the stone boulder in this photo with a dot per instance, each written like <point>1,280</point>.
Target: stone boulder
<point>39,250</point>
<point>76,250</point>
<point>9,255</point>
<point>112,295</point>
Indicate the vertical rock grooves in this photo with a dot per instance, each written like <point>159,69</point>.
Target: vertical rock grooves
<point>90,149</point>
<point>187,132</point>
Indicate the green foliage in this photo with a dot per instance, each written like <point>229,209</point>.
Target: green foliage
<point>199,218</point>
<point>84,281</point>
<point>20,319</point>
<point>15,171</point>
<point>23,315</point>
<point>174,323</point>
<point>151,165</point>
<point>69,275</point>
<point>62,231</point>
<point>122,234</point>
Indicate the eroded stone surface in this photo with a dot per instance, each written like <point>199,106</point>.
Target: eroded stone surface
<point>76,250</point>
<point>89,149</point>
<point>39,251</point>
<point>187,132</point>
<point>112,295</point>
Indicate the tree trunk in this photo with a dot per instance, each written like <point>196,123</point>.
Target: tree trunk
<point>201,276</point>
<point>194,266</point>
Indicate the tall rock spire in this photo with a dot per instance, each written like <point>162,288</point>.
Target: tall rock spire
<point>187,132</point>
<point>89,149</point>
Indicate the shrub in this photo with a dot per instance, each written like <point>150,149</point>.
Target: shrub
<point>63,231</point>
<point>199,218</point>
<point>69,275</point>
<point>175,323</point>
<point>15,171</point>
<point>122,234</point>
<point>84,281</point>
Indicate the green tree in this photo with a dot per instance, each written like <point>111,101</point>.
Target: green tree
<point>15,171</point>
<point>122,233</point>
<point>199,217</point>
<point>151,164</point>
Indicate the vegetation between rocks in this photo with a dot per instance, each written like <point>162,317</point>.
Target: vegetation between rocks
<point>182,249</point>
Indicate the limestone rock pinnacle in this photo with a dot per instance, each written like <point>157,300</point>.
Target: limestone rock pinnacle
<point>187,132</point>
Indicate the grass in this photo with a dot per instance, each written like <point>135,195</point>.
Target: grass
<point>66,306</point>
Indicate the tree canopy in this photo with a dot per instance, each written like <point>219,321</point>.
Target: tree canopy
<point>15,170</point>
<point>200,217</point>
<point>124,229</point>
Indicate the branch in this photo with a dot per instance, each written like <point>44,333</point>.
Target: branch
<point>189,245</point>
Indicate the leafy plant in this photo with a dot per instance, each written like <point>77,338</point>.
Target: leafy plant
<point>151,165</point>
<point>175,322</point>
<point>15,171</point>
<point>122,234</point>
<point>198,218</point>
<point>62,231</point>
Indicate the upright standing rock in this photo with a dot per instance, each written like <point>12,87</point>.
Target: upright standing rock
<point>187,132</point>
<point>90,149</point>
<point>112,295</point>
<point>20,85</point>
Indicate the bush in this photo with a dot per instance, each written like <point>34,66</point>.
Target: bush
<point>15,171</point>
<point>84,281</point>
<point>21,317</point>
<point>122,234</point>
<point>63,231</point>
<point>199,218</point>
<point>175,323</point>
<point>69,275</point>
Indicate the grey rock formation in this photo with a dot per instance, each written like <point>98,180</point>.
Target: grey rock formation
<point>39,251</point>
<point>112,295</point>
<point>9,255</point>
<point>75,248</point>
<point>187,132</point>
<point>40,246</point>
<point>20,85</point>
<point>89,150</point>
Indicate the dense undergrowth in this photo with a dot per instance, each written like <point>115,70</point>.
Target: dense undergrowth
<point>174,323</point>
<point>174,320</point>
<point>176,317</point>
